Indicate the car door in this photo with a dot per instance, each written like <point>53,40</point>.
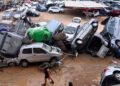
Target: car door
<point>40,55</point>
<point>27,54</point>
<point>55,9</point>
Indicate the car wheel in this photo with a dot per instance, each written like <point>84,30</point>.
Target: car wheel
<point>24,63</point>
<point>54,59</point>
<point>50,11</point>
<point>11,64</point>
<point>117,76</point>
<point>60,12</point>
<point>117,42</point>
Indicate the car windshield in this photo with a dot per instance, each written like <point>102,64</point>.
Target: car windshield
<point>69,30</point>
<point>47,48</point>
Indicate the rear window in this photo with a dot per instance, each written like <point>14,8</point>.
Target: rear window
<point>27,51</point>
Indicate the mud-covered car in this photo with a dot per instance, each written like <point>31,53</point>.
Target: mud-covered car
<point>38,52</point>
<point>108,41</point>
<point>10,43</point>
<point>84,33</point>
<point>54,26</point>
<point>71,30</point>
<point>98,46</point>
<point>112,31</point>
<point>111,76</point>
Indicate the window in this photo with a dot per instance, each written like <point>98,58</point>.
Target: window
<point>38,50</point>
<point>27,51</point>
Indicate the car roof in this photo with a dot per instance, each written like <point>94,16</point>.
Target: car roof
<point>54,7</point>
<point>35,45</point>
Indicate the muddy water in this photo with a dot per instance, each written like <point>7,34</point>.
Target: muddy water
<point>82,71</point>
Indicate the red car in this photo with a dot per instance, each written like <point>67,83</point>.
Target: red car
<point>115,9</point>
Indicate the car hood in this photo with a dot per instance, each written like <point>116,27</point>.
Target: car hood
<point>56,50</point>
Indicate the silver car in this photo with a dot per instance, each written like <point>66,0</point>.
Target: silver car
<point>38,52</point>
<point>111,76</point>
<point>70,31</point>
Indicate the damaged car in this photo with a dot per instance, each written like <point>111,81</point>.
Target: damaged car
<point>107,41</point>
<point>84,33</point>
<point>98,46</point>
<point>10,43</point>
<point>112,28</point>
<point>54,26</point>
<point>111,75</point>
<point>71,29</point>
<point>38,52</point>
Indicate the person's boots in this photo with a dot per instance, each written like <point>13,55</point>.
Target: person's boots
<point>44,84</point>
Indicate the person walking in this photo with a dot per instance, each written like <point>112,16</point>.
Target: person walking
<point>47,76</point>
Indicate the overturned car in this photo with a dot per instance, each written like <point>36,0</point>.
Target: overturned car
<point>107,41</point>
<point>84,34</point>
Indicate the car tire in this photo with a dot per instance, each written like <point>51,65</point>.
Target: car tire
<point>53,59</point>
<point>117,76</point>
<point>50,11</point>
<point>11,64</point>
<point>117,42</point>
<point>60,12</point>
<point>24,63</point>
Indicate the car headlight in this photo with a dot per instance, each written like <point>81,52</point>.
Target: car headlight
<point>79,42</point>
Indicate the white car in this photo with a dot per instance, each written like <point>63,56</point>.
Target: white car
<point>70,31</point>
<point>55,9</point>
<point>20,12</point>
<point>76,20</point>
<point>34,4</point>
<point>38,52</point>
<point>111,76</point>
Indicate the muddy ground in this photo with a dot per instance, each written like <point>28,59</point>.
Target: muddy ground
<point>84,70</point>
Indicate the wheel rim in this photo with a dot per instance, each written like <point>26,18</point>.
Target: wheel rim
<point>117,75</point>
